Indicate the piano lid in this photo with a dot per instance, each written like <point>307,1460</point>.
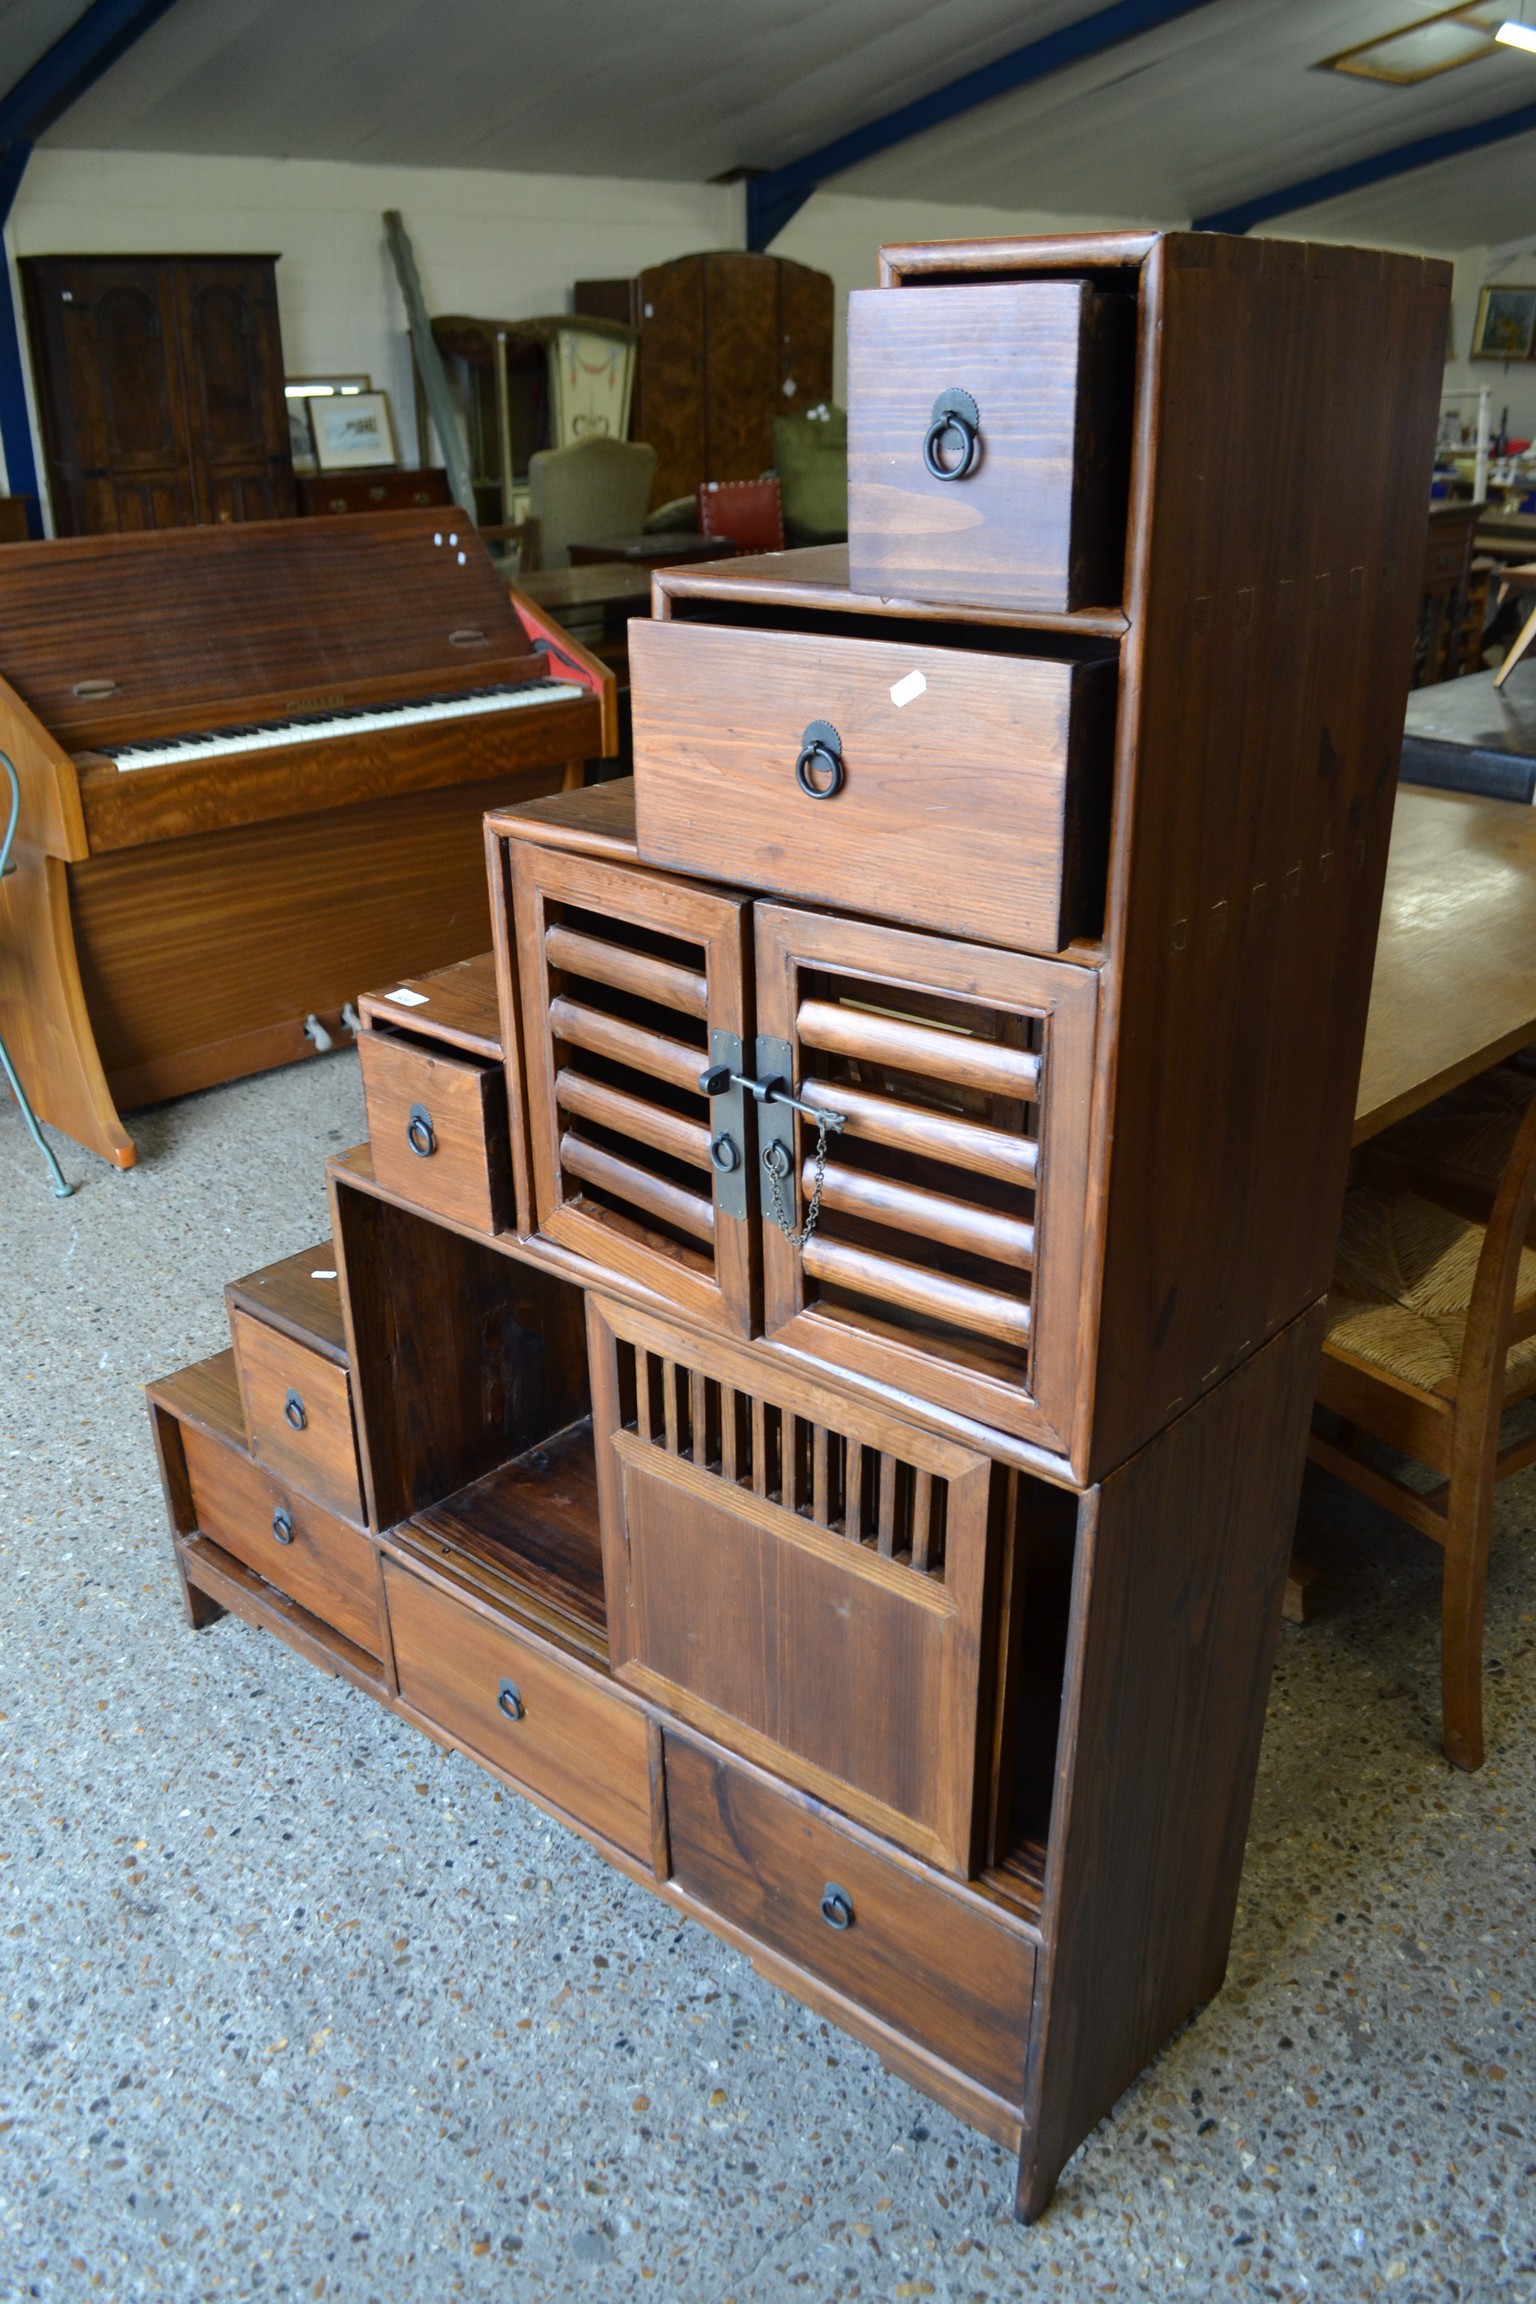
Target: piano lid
<point>111,637</point>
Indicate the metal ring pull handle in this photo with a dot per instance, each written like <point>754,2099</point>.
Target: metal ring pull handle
<point>821,754</point>
<point>295,1411</point>
<point>509,1700</point>
<point>955,418</point>
<point>420,1133</point>
<point>282,1526</point>
<point>836,1906</point>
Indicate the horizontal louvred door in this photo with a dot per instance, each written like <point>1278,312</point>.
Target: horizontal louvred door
<point>946,1255</point>
<point>629,978</point>
<point>798,1574</point>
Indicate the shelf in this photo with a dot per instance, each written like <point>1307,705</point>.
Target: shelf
<point>526,1537</point>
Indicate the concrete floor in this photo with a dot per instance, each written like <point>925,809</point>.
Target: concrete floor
<point>296,2006</point>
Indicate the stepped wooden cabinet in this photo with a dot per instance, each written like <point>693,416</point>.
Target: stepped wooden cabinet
<point>811,1374</point>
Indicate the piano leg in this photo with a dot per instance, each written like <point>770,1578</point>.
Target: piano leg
<point>43,1015</point>
<point>574,776</point>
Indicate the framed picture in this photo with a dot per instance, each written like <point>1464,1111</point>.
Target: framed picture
<point>1506,324</point>
<point>352,431</point>
<point>298,392</point>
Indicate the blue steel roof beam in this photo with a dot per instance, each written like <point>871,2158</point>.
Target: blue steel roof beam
<point>1397,160</point>
<point>773,198</point>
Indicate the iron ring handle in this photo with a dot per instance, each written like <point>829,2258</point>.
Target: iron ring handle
<point>821,752</point>
<point>509,1700</point>
<point>420,1133</point>
<point>282,1526</point>
<point>295,1412</point>
<point>953,413</point>
<point>836,1906</point>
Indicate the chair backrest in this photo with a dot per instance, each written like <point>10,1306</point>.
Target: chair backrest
<point>749,512</point>
<point>594,489</point>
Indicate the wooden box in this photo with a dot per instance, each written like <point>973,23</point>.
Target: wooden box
<point>989,433</point>
<point>291,1356</point>
<point>959,787</point>
<point>436,1089</point>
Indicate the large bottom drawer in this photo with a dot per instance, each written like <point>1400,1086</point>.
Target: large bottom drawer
<point>563,1735</point>
<point>926,1960</point>
<point>326,1566</point>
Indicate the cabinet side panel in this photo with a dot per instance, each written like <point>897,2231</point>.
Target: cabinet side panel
<point>1277,593</point>
<point>1176,1610</point>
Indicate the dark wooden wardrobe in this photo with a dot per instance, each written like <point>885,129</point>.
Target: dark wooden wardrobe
<point>728,341</point>
<point>160,390</point>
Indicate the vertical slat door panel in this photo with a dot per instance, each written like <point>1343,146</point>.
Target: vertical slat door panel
<point>812,1599</point>
<point>627,979</point>
<point>948,1258</point>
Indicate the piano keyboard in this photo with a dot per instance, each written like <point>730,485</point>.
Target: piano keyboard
<point>226,743</point>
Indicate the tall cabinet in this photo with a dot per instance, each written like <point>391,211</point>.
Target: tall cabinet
<point>160,390</point>
<point>812,1374</point>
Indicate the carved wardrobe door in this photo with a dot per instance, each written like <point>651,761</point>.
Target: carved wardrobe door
<point>160,388</point>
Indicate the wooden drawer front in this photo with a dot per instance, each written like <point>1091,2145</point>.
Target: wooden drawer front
<point>974,792</point>
<point>933,1964</point>
<point>326,1566</point>
<point>570,1740</point>
<point>803,1580</point>
<point>1038,521</point>
<point>948,1253</point>
<point>632,984</point>
<point>437,1128</point>
<point>298,1414</point>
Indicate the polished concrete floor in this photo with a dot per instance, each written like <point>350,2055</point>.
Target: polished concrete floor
<point>295,2006</point>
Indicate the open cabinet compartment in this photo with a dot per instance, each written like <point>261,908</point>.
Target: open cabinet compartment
<point>474,1413</point>
<point>948,1254</point>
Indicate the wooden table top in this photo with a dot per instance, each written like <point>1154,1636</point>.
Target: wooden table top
<point>1455,981</point>
<point>598,586</point>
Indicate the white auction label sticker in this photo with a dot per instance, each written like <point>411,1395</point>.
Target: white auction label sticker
<point>323,1275</point>
<point>904,690</point>
<point>406,998</point>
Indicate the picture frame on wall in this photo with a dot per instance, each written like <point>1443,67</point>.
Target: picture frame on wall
<point>1506,323</point>
<point>353,432</point>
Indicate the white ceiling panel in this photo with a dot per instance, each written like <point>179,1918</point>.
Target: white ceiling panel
<point>1215,108</point>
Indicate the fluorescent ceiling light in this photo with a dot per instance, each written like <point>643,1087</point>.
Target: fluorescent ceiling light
<point>1433,44</point>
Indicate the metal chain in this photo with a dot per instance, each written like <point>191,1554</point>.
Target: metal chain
<point>781,1214</point>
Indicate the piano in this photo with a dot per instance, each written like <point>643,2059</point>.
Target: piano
<point>254,760</point>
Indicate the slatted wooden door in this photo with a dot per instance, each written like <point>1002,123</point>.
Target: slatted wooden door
<point>800,1576</point>
<point>629,979</point>
<point>948,1253</point>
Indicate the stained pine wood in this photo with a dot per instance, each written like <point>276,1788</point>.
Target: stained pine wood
<point>1039,522</point>
<point>300,1296</point>
<point>458,1005</point>
<point>298,1414</point>
<point>466,1168</point>
<point>453,1664</point>
<point>934,1963</point>
<point>330,1569</point>
<point>1454,986</point>
<point>977,806</point>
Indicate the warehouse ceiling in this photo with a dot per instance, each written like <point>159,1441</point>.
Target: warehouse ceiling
<point>1216,107</point>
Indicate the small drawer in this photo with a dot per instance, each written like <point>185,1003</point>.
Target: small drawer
<point>989,437</point>
<point>437,1128</point>
<point>327,1567</point>
<point>298,1414</point>
<point>553,1728</point>
<point>943,786</point>
<point>931,1962</point>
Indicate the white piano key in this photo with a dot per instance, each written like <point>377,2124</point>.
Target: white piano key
<point>228,743</point>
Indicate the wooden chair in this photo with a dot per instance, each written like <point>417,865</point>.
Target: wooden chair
<point>1432,1336</point>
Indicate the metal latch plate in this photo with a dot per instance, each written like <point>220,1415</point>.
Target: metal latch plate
<point>729,1150</point>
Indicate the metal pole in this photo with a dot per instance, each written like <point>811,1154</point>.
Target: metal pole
<point>429,365</point>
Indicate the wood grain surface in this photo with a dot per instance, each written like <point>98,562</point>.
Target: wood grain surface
<point>459,1005</point>
<point>977,805</point>
<point>294,1297</point>
<point>466,1170</point>
<point>318,1455</point>
<point>1454,986</point>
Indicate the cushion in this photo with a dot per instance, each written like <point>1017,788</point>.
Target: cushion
<point>810,453</point>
